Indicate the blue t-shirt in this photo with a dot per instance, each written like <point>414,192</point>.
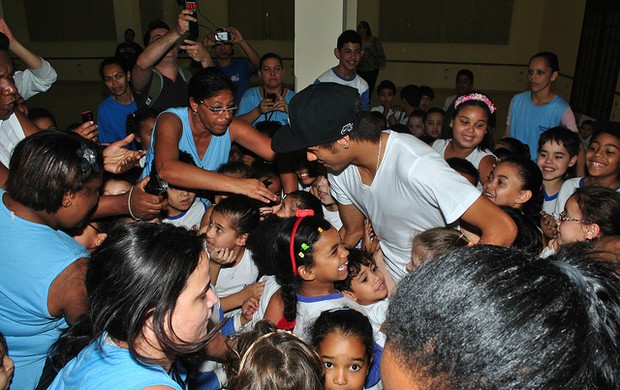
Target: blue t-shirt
<point>252,98</point>
<point>103,365</point>
<point>112,120</point>
<point>32,256</point>
<point>240,72</point>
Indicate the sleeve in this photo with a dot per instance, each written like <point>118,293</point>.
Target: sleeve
<point>105,126</point>
<point>365,96</point>
<point>32,81</point>
<point>568,120</point>
<point>337,191</point>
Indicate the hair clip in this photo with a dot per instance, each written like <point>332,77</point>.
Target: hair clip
<point>301,255</point>
<point>89,159</point>
<point>478,97</point>
<point>305,246</point>
<point>304,213</point>
<point>320,230</point>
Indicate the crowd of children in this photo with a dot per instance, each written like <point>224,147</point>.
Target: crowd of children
<point>211,261</point>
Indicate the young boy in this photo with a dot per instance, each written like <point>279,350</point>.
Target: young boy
<point>183,208</point>
<point>386,92</point>
<point>365,284</point>
<point>348,51</point>
<point>558,148</point>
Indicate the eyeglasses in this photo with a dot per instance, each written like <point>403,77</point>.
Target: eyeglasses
<point>94,227</point>
<point>220,110</point>
<point>566,218</point>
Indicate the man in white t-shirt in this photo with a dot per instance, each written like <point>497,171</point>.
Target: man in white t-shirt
<point>398,182</point>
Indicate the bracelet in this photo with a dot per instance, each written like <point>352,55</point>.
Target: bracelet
<point>129,204</point>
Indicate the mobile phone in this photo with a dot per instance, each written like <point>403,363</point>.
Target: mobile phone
<point>87,116</point>
<point>193,26</point>
<point>271,96</point>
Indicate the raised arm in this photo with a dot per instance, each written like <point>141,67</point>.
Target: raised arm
<point>249,51</point>
<point>352,224</point>
<point>251,139</point>
<point>496,226</point>
<point>156,50</point>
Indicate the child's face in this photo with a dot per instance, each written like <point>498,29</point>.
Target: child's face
<point>571,231</point>
<point>344,358</point>
<point>304,174</point>
<point>274,184</point>
<point>323,191</point>
<point>433,125</point>
<point>220,232</point>
<point>386,97</point>
<point>146,129</point>
<point>416,126</point>
<point>554,160</point>
<point>349,56</point>
<point>179,200</point>
<point>286,209</point>
<point>504,187</point>
<point>603,156</point>
<point>585,130</point>
<point>330,258</point>
<point>469,127</point>
<point>6,369</point>
<point>425,102</point>
<point>369,285</point>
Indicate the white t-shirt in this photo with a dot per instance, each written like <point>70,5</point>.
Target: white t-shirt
<point>189,219</point>
<point>414,190</point>
<point>11,133</point>
<point>377,312</point>
<point>310,308</point>
<point>271,287</point>
<point>234,279</point>
<point>568,187</point>
<point>474,157</point>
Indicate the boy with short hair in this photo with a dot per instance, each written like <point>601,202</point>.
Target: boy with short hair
<point>558,148</point>
<point>183,207</point>
<point>365,284</point>
<point>348,52</point>
<point>386,92</point>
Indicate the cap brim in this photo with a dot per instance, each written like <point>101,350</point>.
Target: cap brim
<point>285,140</point>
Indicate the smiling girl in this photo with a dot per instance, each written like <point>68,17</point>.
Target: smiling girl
<point>473,119</point>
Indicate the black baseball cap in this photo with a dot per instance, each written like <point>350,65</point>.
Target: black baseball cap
<point>319,114</point>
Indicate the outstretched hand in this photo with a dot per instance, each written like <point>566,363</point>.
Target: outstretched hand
<point>118,159</point>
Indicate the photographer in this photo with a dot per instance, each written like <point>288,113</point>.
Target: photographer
<point>269,102</point>
<point>239,70</point>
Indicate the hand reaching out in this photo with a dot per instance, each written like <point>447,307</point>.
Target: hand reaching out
<point>117,159</point>
<point>248,308</point>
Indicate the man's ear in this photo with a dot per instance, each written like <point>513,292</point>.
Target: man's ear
<point>349,294</point>
<point>523,196</point>
<point>66,199</point>
<point>344,142</point>
<point>337,53</point>
<point>306,273</point>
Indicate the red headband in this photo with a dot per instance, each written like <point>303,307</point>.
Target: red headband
<point>300,214</point>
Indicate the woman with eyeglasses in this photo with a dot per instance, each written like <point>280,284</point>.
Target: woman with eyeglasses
<point>590,214</point>
<point>206,129</point>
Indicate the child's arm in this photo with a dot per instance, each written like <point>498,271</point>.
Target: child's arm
<point>275,308</point>
<point>235,300</point>
<point>204,223</point>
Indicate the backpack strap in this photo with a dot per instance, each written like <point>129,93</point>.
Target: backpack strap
<point>157,84</point>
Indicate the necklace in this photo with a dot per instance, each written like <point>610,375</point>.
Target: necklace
<point>379,154</point>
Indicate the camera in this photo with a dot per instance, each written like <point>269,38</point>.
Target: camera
<point>222,36</point>
<point>156,185</point>
<point>271,96</point>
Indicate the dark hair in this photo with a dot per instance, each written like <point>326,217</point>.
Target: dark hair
<point>243,212</point>
<point>343,322</point>
<point>418,114</point>
<point>386,84</point>
<point>39,113</point>
<point>368,129</point>
<point>208,82</point>
<point>357,258</point>
<point>587,122</point>
<point>562,136</point>
<point>600,205</point>
<point>611,128</point>
<point>46,166</point>
<point>514,146</point>
<point>529,236</point>
<point>367,26</point>
<point>399,128</point>
<point>463,166</point>
<point>110,61</point>
<point>267,56</point>
<point>348,36</point>
<point>135,119</point>
<point>465,72</point>
<point>411,94</point>
<point>379,119</point>
<point>236,169</point>
<point>531,178</point>
<point>273,360</point>
<point>487,140</point>
<point>435,110</point>
<point>303,200</point>
<point>498,318</point>
<point>275,257</point>
<point>425,90</point>
<point>550,58</point>
<point>152,26</point>
<point>129,280</point>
